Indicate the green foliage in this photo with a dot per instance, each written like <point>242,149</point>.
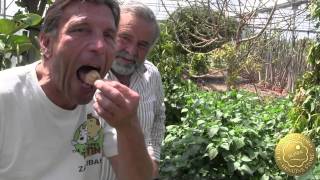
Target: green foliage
<point>315,11</point>
<point>305,113</point>
<point>200,63</point>
<point>168,57</point>
<point>188,26</point>
<point>227,55</point>
<point>228,135</point>
<point>174,64</point>
<point>313,174</point>
<point>11,44</point>
<point>312,77</point>
<point>172,60</point>
<point>176,97</point>
<point>19,21</point>
<point>201,29</point>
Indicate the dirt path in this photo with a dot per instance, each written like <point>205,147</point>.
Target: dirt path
<point>215,81</point>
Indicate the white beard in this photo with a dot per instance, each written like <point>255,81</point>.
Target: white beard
<point>122,68</point>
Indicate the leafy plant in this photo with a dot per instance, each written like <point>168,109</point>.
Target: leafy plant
<point>12,44</point>
<point>305,114</point>
<point>200,29</point>
<point>228,135</point>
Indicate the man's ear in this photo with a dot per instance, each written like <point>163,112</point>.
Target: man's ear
<point>45,45</point>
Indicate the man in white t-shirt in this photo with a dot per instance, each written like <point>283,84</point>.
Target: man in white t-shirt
<point>47,129</point>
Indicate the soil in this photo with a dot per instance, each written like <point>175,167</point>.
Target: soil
<point>215,81</point>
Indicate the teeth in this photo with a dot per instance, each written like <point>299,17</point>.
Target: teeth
<point>91,77</point>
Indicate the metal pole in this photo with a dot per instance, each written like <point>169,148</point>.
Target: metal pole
<point>4,8</point>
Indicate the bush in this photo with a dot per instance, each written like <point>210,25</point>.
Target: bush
<point>225,136</point>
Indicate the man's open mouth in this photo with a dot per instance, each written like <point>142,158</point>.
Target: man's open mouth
<point>84,70</point>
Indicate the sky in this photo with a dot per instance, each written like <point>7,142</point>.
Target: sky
<point>161,14</point>
<point>12,8</point>
<point>155,5</point>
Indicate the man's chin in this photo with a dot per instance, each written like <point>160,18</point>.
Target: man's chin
<point>85,100</point>
<point>122,71</point>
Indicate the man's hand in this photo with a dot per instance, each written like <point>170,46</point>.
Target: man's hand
<point>116,103</point>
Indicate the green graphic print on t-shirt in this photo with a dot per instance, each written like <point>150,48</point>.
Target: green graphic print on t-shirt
<point>88,138</point>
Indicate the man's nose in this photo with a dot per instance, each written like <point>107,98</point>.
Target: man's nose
<point>132,50</point>
<point>98,44</point>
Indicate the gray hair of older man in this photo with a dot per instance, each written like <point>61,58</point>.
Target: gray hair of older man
<point>140,10</point>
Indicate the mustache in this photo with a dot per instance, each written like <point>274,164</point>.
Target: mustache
<point>126,55</point>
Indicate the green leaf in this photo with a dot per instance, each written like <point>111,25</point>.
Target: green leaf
<point>236,165</point>
<point>265,177</point>
<point>2,46</point>
<point>184,110</point>
<point>239,96</point>
<point>235,120</point>
<point>246,169</point>
<point>7,26</point>
<point>312,106</point>
<point>18,22</point>
<point>225,146</point>
<point>308,175</point>
<point>22,43</point>
<point>264,154</point>
<point>230,168</point>
<point>213,131</point>
<point>15,39</point>
<point>238,142</point>
<point>26,20</point>
<point>213,152</point>
<point>219,114</point>
<point>246,158</point>
<point>229,158</point>
<point>199,122</point>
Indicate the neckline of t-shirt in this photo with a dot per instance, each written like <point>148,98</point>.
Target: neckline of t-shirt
<point>45,101</point>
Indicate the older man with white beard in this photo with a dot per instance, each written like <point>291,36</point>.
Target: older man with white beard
<point>137,33</point>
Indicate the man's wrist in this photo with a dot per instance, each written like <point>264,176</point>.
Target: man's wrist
<point>131,127</point>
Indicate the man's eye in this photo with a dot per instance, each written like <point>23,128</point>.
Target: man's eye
<point>108,35</point>
<point>124,38</point>
<point>143,46</point>
<point>79,30</point>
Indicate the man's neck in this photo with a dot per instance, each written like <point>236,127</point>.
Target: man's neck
<point>123,79</point>
<point>52,92</point>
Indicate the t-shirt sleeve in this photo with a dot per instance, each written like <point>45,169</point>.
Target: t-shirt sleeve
<point>110,145</point>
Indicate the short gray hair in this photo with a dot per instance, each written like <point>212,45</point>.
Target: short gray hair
<point>140,10</point>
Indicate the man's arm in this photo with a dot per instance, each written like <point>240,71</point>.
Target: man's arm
<point>118,105</point>
<point>131,149</point>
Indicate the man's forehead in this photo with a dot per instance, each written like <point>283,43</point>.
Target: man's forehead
<point>132,24</point>
<point>85,9</point>
<point>79,13</point>
<point>77,20</point>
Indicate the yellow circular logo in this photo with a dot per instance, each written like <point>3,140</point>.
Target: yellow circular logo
<point>295,154</point>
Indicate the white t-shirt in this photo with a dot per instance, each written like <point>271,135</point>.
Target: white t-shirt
<point>39,140</point>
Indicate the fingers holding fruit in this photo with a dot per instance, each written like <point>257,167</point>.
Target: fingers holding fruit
<point>116,103</point>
